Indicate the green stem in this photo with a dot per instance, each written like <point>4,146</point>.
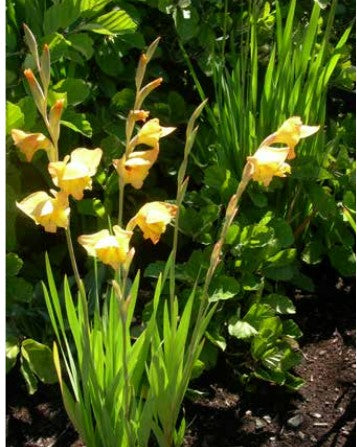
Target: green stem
<point>73,258</point>
<point>121,202</point>
<point>77,277</point>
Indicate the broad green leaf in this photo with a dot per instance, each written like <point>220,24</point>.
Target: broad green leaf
<point>291,329</point>
<point>270,375</point>
<point>294,382</point>
<point>303,282</point>
<point>283,232</point>
<point>284,273</point>
<point>232,234</point>
<point>39,358</point>
<point>13,264</point>
<point>18,290</point>
<point>282,258</point>
<point>223,288</point>
<point>257,313</point>
<point>216,338</point>
<point>258,346</point>
<point>186,21</point>
<point>313,252</point>
<point>209,355</point>
<point>198,224</point>
<point>30,378</point>
<point>29,110</point>
<point>58,46</point>
<point>323,202</point>
<point>60,15</point>
<point>109,60</point>
<point>124,99</point>
<point>349,200</point>
<point>82,43</point>
<point>14,117</point>
<point>197,264</point>
<point>240,329</point>
<point>271,358</point>
<point>197,369</point>
<point>256,235</point>
<point>55,96</point>
<point>291,358</point>
<point>258,198</point>
<point>343,259</point>
<point>248,281</point>
<point>177,105</point>
<point>12,351</point>
<point>112,23</point>
<point>154,270</point>
<point>270,328</point>
<point>132,40</point>
<point>77,122</point>
<point>280,303</point>
<point>77,90</point>
<point>215,176</point>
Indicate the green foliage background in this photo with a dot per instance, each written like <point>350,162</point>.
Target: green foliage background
<point>94,47</point>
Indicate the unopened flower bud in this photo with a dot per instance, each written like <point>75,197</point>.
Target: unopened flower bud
<point>31,43</point>
<point>36,91</point>
<point>54,119</point>
<point>148,89</point>
<point>216,253</point>
<point>117,290</point>
<point>151,50</point>
<point>45,67</point>
<point>140,115</point>
<point>140,72</point>
<point>129,259</point>
<point>232,206</point>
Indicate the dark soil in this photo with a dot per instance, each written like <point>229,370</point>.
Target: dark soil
<point>321,414</point>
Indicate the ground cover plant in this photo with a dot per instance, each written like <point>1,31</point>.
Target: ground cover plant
<point>309,218</point>
<point>183,312</point>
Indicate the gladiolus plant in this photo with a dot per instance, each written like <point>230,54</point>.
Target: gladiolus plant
<point>119,389</point>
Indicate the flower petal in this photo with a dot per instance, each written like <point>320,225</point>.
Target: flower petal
<point>30,143</point>
<point>46,211</point>
<point>88,157</point>
<point>152,219</point>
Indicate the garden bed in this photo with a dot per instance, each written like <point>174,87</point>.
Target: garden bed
<point>321,414</point>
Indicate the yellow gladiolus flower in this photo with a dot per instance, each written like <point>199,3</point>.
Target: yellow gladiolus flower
<point>50,212</point>
<point>268,162</point>
<point>29,143</point>
<point>110,249</point>
<point>152,219</point>
<point>151,132</point>
<point>135,168</point>
<point>290,133</point>
<point>74,176</point>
